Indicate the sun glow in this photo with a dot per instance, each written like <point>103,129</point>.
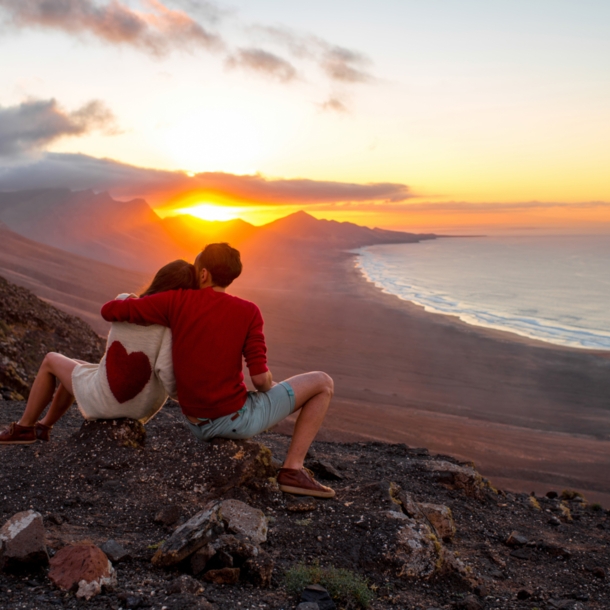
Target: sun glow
<point>209,211</point>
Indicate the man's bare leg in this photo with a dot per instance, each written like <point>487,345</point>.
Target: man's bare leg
<point>54,366</point>
<point>312,392</point>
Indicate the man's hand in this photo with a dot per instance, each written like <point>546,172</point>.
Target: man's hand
<point>262,382</point>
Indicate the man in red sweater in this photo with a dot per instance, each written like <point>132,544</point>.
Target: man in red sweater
<point>211,332</point>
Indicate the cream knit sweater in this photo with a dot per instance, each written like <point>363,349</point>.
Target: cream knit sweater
<point>133,378</point>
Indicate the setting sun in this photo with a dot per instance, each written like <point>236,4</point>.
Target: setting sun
<point>209,211</point>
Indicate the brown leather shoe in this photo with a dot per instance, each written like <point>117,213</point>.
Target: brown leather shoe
<point>43,433</point>
<point>18,435</point>
<point>302,483</point>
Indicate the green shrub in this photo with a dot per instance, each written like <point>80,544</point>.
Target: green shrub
<point>341,584</point>
<point>596,506</point>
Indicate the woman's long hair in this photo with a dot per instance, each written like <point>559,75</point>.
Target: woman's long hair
<point>173,276</point>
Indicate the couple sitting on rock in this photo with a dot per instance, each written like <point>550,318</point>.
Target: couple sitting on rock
<point>185,336</point>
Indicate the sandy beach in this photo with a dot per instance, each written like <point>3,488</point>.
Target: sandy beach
<point>532,416</point>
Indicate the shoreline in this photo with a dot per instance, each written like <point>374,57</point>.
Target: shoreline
<point>463,316</point>
<point>531,415</point>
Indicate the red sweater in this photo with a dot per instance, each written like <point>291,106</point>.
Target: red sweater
<point>211,331</point>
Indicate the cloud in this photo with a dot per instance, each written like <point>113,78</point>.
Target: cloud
<point>337,63</point>
<point>36,123</point>
<point>334,104</point>
<point>75,171</point>
<point>344,65</point>
<point>156,31</point>
<point>263,62</point>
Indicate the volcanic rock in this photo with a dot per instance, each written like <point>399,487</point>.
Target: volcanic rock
<point>84,566</point>
<point>223,576</point>
<point>114,551</point>
<point>23,541</point>
<point>123,432</point>
<point>441,519</point>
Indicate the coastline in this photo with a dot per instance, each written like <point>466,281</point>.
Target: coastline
<point>533,416</point>
<point>379,270</point>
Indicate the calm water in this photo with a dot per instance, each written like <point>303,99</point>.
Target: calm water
<point>554,288</point>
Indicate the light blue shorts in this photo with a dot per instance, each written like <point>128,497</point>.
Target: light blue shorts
<point>261,411</point>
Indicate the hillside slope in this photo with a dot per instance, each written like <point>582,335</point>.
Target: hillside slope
<point>74,284</point>
<point>29,328</point>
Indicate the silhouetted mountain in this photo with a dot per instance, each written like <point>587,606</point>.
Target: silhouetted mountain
<point>194,233</point>
<point>123,233</point>
<point>130,235</point>
<point>304,227</point>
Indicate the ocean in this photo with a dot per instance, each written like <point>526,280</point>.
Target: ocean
<point>552,288</point>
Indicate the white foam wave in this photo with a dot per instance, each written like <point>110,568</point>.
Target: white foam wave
<point>380,274</point>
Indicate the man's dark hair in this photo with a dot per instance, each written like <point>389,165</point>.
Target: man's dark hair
<point>221,261</point>
<point>173,276</point>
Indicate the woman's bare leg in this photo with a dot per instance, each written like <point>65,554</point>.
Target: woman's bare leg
<point>54,366</point>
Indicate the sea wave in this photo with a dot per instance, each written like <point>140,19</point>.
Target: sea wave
<point>441,303</point>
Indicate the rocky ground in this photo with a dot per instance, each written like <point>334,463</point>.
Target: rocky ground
<point>29,328</point>
<point>387,524</point>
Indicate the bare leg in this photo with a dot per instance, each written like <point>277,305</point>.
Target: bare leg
<point>312,392</point>
<point>54,366</point>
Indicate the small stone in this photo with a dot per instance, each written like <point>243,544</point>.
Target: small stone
<point>23,541</point>
<point>516,539</point>
<point>441,519</point>
<point>308,606</point>
<point>552,495</point>
<point>554,521</point>
<point>524,594</point>
<point>240,518</point>
<point>114,551</point>
<point>521,554</point>
<point>325,470</point>
<point>168,515</point>
<point>599,572</point>
<point>302,504</point>
<point>259,569</point>
<point>224,576</point>
<point>470,602</point>
<point>184,584</point>
<point>82,565</point>
<point>318,595</point>
<point>133,601</point>
<point>481,591</point>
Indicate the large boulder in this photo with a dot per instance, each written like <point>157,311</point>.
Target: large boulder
<point>441,519</point>
<point>83,567</point>
<point>416,550</point>
<point>222,543</point>
<point>23,541</point>
<point>456,476</point>
<point>226,517</point>
<point>107,433</point>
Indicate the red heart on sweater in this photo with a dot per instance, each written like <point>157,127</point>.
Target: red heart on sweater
<point>127,374</point>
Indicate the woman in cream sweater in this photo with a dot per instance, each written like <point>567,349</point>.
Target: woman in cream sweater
<point>133,378</point>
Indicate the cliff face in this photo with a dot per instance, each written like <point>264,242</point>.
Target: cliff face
<point>29,328</point>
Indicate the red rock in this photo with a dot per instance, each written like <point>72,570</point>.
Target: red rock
<point>23,541</point>
<point>84,566</point>
<point>224,576</point>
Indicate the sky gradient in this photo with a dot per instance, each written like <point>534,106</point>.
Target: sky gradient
<point>483,115</point>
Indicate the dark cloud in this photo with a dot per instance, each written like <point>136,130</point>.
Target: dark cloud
<point>73,171</point>
<point>35,124</point>
<point>156,31</point>
<point>263,62</point>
